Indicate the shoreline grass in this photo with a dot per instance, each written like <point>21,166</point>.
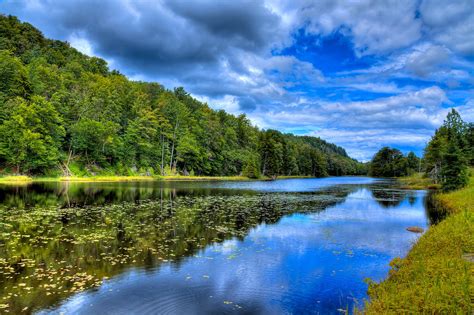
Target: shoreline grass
<point>203,178</point>
<point>133,178</point>
<point>417,181</point>
<point>22,179</point>
<point>435,277</point>
<point>16,179</point>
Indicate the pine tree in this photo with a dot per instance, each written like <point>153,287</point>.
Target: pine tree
<point>454,171</point>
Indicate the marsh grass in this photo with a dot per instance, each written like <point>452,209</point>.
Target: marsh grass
<point>131,178</point>
<point>20,179</point>
<point>434,278</point>
<point>107,179</point>
<point>418,181</point>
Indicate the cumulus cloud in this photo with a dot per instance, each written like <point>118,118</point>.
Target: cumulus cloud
<point>376,26</point>
<point>234,55</point>
<point>450,23</point>
<point>363,127</point>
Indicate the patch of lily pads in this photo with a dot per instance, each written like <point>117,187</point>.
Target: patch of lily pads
<point>48,253</point>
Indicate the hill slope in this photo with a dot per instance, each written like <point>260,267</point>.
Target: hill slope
<point>64,112</point>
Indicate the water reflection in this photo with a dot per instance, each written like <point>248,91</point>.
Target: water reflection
<point>70,194</point>
<point>201,247</point>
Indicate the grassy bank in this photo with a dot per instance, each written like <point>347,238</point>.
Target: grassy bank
<point>203,178</point>
<point>110,178</point>
<point>21,179</point>
<point>437,276</point>
<point>418,181</point>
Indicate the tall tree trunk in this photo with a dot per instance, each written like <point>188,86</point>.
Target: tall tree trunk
<point>67,171</point>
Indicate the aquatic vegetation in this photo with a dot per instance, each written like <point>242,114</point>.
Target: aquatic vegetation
<point>48,253</point>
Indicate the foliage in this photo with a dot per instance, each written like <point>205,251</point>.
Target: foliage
<point>251,168</point>
<point>31,135</point>
<point>454,172</point>
<point>88,121</point>
<point>388,162</point>
<point>449,152</point>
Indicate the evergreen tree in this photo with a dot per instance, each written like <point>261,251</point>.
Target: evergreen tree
<point>413,162</point>
<point>449,152</point>
<point>454,172</point>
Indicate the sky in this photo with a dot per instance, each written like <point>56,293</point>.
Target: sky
<point>362,74</point>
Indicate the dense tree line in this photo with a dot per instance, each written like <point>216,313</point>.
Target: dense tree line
<point>390,162</point>
<point>65,112</point>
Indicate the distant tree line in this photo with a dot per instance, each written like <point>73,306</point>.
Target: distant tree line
<point>62,112</point>
<point>390,162</point>
<point>446,159</point>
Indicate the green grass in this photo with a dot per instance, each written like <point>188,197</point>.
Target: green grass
<point>198,178</point>
<point>418,181</point>
<point>15,179</point>
<point>130,178</point>
<point>434,278</point>
<point>107,179</point>
<point>114,178</point>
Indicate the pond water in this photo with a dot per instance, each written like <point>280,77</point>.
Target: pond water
<point>288,246</point>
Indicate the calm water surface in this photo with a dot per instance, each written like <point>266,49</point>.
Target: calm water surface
<point>292,246</point>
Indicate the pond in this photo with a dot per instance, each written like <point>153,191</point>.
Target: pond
<point>255,247</point>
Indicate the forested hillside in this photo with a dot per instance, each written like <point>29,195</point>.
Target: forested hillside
<point>62,112</point>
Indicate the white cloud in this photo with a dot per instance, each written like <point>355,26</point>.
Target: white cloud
<point>376,26</point>
<point>450,23</point>
<point>362,127</point>
<point>81,44</point>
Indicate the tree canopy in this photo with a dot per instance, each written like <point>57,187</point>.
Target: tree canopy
<point>450,151</point>
<point>390,162</point>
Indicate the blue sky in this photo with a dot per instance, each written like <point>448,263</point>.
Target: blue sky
<point>362,74</point>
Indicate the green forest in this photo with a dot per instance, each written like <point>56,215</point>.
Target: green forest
<point>65,113</point>
<point>446,159</point>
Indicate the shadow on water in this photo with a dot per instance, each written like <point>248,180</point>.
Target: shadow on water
<point>59,239</point>
<point>434,210</point>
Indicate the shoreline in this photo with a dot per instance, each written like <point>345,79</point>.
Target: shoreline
<point>23,179</point>
<point>437,275</point>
